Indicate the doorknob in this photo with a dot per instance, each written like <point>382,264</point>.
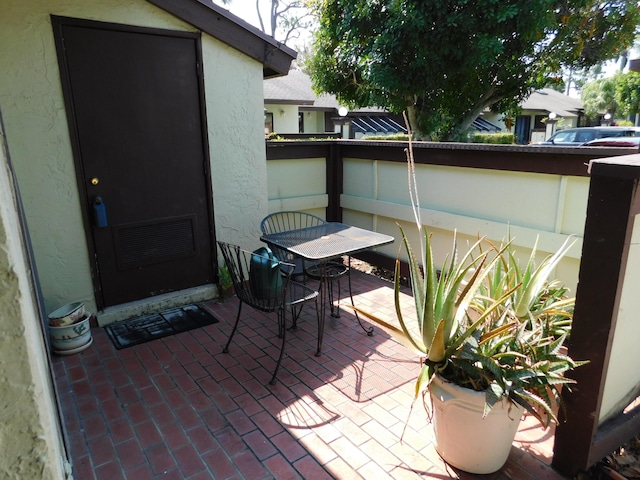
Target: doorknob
<point>95,181</point>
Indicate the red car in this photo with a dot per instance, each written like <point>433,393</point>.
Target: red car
<point>633,142</point>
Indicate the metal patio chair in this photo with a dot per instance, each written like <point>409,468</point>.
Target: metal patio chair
<point>331,270</point>
<point>265,284</point>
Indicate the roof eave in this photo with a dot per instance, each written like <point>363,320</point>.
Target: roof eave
<point>271,101</point>
<point>214,20</point>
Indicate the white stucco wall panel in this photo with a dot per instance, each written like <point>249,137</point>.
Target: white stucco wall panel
<point>379,224</point>
<point>304,177</point>
<point>298,185</point>
<point>360,178</point>
<point>285,117</point>
<point>510,197</point>
<point>37,131</point>
<point>575,198</point>
<point>472,201</point>
<point>313,122</point>
<point>549,203</point>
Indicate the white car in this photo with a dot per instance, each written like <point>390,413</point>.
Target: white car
<point>574,137</point>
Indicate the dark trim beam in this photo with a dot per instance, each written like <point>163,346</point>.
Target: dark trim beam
<point>613,203</point>
<point>516,158</point>
<point>214,20</point>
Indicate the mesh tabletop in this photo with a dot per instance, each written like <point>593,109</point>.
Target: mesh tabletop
<point>328,240</point>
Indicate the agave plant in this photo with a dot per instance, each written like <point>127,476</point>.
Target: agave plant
<point>486,324</point>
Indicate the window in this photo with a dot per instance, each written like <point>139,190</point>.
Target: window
<point>537,122</point>
<point>268,123</point>
<point>565,136</point>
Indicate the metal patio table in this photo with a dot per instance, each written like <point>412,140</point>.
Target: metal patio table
<point>321,243</point>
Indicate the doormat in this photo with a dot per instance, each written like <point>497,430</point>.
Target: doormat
<point>158,325</point>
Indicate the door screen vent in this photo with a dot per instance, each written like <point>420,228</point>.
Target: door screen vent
<point>149,243</point>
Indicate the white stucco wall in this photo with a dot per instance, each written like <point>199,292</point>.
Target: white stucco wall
<point>545,207</point>
<point>285,118</point>
<point>314,122</point>
<point>37,131</point>
<point>30,436</point>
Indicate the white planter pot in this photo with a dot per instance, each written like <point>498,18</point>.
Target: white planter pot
<point>72,338</point>
<point>67,314</point>
<point>464,439</point>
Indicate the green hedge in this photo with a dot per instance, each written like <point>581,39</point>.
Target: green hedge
<point>501,138</point>
<point>396,136</point>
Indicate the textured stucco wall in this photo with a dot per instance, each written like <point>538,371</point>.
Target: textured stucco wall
<point>233,87</point>
<point>30,439</point>
<point>285,118</point>
<point>37,131</point>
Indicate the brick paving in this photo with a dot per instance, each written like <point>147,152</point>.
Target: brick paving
<point>179,408</point>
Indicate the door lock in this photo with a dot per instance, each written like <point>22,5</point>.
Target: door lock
<point>95,181</point>
<point>100,213</point>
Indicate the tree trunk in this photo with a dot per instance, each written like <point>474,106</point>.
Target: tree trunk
<point>414,124</point>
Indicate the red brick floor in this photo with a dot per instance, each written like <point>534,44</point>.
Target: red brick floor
<point>179,408</point>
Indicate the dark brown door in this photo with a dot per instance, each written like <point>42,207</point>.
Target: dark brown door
<point>135,100</point>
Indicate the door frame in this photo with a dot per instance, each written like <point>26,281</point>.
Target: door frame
<point>58,24</point>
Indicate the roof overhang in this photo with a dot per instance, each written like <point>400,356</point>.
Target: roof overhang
<point>289,102</point>
<point>214,20</point>
<point>564,113</point>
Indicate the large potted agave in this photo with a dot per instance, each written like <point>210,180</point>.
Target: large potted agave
<point>491,334</point>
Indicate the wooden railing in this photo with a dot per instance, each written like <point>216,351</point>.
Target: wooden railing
<point>529,193</point>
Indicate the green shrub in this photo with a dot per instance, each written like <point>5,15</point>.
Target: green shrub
<point>273,136</point>
<point>403,137</point>
<point>499,138</point>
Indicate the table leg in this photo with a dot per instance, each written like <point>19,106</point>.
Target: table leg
<point>326,293</point>
<point>321,288</point>
<point>369,330</point>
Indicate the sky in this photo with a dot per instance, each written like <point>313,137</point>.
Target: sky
<point>246,10</point>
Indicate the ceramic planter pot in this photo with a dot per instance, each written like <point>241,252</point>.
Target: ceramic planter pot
<point>67,314</point>
<point>71,338</point>
<point>464,439</point>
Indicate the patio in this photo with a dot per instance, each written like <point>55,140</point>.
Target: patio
<point>179,408</point>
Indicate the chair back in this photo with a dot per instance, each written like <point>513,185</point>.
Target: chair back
<point>288,220</point>
<point>259,279</point>
<point>284,221</point>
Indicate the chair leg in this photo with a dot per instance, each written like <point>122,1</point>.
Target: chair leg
<point>320,329</point>
<point>235,326</point>
<point>281,327</point>
<point>294,316</point>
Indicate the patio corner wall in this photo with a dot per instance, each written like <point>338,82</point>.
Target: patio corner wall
<point>31,435</point>
<point>603,410</point>
<point>529,193</point>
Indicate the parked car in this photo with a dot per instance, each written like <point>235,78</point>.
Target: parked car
<point>579,136</point>
<point>633,142</point>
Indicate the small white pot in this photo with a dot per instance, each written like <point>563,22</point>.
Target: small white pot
<point>71,337</point>
<point>464,439</point>
<point>67,314</point>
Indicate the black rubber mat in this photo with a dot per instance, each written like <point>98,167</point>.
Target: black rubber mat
<point>158,325</point>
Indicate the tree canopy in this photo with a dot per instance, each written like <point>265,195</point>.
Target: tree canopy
<point>618,95</point>
<point>445,61</point>
<point>282,19</point>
